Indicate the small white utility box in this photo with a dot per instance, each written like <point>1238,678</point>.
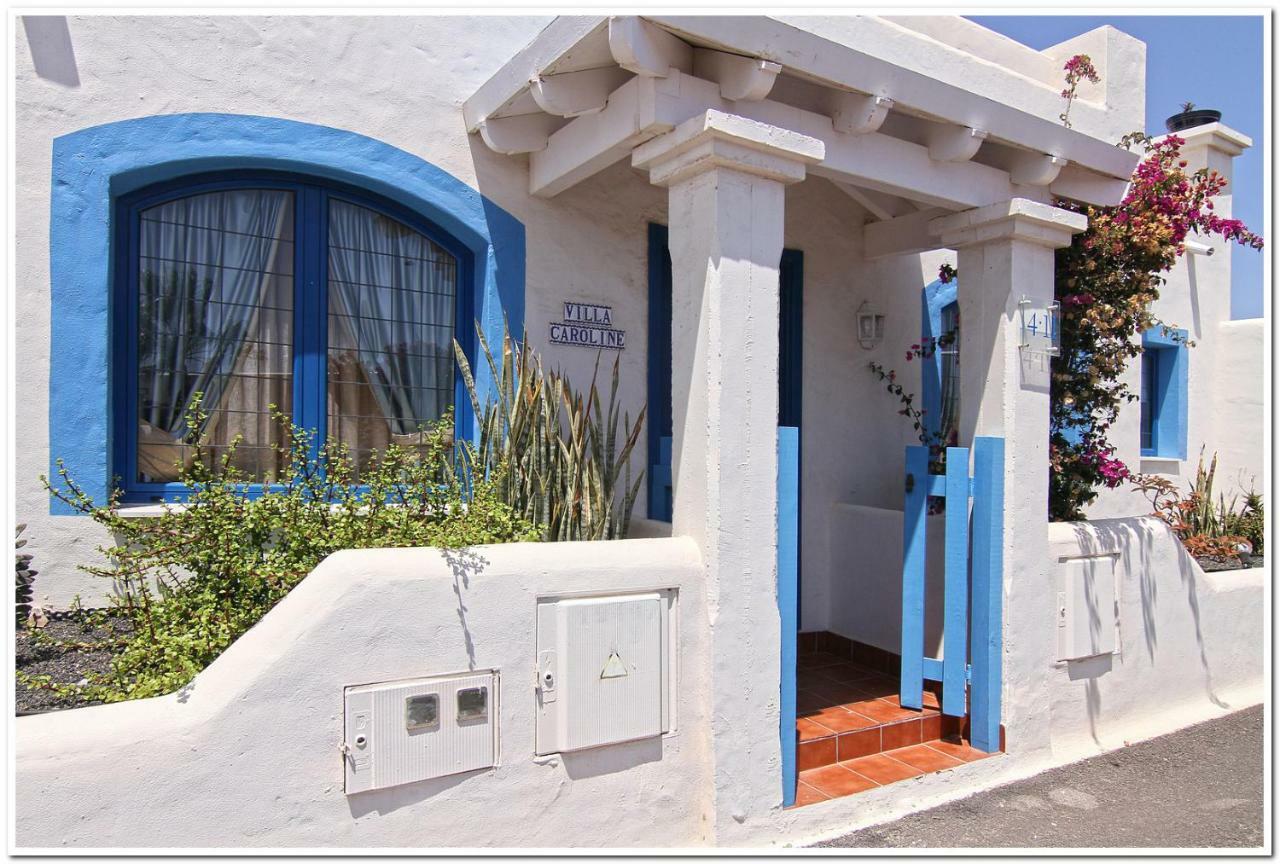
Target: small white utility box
<point>604,669</point>
<point>419,728</point>
<point>1086,607</point>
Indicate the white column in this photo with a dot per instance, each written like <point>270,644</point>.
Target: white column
<point>727,178</point>
<point>1006,253</point>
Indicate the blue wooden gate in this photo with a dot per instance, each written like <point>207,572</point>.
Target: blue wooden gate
<point>972,585</point>
<point>788,598</point>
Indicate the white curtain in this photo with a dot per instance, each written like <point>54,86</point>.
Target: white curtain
<point>215,296</point>
<point>204,267</point>
<point>391,304</point>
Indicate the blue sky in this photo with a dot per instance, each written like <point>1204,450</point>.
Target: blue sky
<point>1213,61</point>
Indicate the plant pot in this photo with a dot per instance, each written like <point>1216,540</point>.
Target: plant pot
<point>1190,119</point>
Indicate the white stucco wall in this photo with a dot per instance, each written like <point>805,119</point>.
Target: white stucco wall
<point>1239,408</point>
<point>247,755</point>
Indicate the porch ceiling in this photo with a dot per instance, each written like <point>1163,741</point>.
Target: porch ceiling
<point>589,89</point>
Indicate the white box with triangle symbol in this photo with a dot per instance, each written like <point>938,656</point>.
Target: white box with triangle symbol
<point>604,669</point>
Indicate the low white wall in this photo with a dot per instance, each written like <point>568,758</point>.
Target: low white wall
<point>866,577</point>
<point>247,755</point>
<point>1191,644</point>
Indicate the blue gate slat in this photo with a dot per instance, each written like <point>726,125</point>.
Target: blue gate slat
<point>914,541</point>
<point>955,592</point>
<point>986,638</point>
<point>788,598</point>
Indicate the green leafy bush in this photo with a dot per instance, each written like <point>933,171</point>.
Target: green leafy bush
<point>192,580</point>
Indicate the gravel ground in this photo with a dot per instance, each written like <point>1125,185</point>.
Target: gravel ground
<point>1200,787</point>
<point>67,665</point>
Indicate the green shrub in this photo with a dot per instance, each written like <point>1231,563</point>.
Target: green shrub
<point>1249,523</point>
<point>192,580</point>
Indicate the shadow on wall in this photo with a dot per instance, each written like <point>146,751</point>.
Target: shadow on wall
<point>1134,544</point>
<point>463,564</point>
<point>52,54</point>
<point>599,761</point>
<point>385,801</point>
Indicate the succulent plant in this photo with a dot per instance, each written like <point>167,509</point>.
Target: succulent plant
<point>24,581</point>
<point>567,466</point>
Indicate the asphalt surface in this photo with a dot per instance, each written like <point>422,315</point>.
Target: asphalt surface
<point>1198,787</point>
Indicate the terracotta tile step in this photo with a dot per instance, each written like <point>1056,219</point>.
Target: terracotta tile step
<point>870,771</point>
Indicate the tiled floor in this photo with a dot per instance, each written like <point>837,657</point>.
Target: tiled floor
<point>853,735</point>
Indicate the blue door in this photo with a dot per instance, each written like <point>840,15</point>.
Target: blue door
<point>790,359</point>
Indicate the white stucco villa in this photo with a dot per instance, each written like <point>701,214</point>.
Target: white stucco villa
<point>747,211</point>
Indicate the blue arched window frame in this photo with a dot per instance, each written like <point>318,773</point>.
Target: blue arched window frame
<point>92,168</point>
<point>310,300</point>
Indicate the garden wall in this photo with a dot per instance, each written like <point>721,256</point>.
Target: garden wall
<point>248,754</point>
<point>1190,644</point>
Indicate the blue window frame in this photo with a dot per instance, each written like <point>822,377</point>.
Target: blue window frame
<point>1163,393</point>
<point>940,374</point>
<point>309,315</point>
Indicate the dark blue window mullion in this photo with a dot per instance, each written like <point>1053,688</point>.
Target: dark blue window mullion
<point>310,364</point>
<point>127,379</point>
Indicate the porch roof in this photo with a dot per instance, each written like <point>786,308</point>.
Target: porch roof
<point>912,126</point>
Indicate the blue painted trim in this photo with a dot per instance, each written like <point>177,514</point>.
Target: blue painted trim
<point>93,168</point>
<point>986,633</point>
<point>914,548</point>
<point>791,339</point>
<point>1167,348</point>
<point>791,373</point>
<point>659,388</point>
<point>955,578</point>
<point>934,297</point>
<point>788,599</point>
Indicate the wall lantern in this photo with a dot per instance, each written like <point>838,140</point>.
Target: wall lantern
<point>870,326</point>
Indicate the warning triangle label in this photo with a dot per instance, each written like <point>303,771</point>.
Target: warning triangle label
<point>614,667</point>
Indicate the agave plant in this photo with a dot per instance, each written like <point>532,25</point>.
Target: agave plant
<point>24,587</point>
<point>559,457</point>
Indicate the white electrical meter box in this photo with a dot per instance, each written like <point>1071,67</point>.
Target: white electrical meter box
<point>1086,607</point>
<point>604,669</point>
<point>419,728</point>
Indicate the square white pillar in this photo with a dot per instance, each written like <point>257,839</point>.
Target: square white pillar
<point>1006,253</point>
<point>726,178</point>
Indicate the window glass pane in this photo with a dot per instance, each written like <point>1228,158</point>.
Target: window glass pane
<point>392,296</point>
<point>1148,393</point>
<point>949,348</point>
<point>215,317</point>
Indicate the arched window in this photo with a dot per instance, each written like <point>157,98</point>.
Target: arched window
<point>262,289</point>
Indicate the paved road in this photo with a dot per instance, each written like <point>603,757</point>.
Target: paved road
<point>1200,787</point>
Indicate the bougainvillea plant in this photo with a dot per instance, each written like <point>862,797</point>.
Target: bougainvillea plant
<point>1106,283</point>
<point>1078,68</point>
